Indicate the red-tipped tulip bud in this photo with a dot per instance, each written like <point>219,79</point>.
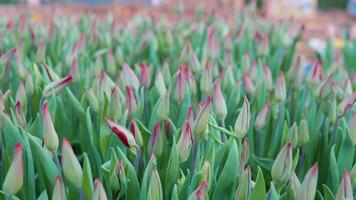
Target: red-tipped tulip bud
<point>267,78</point>
<point>308,189</point>
<point>163,107</point>
<point>325,87</point>
<point>262,117</point>
<point>352,128</point>
<point>21,94</point>
<point>105,86</point>
<point>244,189</point>
<point>219,103</point>
<point>159,84</point>
<point>125,136</point>
<point>155,144</point>
<point>57,86</point>
<point>50,73</point>
<point>346,104</point>
<point>145,77</point>
<point>206,169</point>
<point>14,178</point>
<point>130,101</point>
<point>20,115</point>
<point>280,89</point>
<point>50,137</point>
<point>242,123</point>
<point>99,191</point>
<point>155,191</point>
<point>345,189</point>
<point>115,109</point>
<point>282,166</point>
<point>185,142</point>
<point>70,164</point>
<point>201,121</point>
<point>316,74</point>
<point>248,84</point>
<point>59,192</point>
<point>190,115</point>
<point>136,133</point>
<point>200,192</point>
<point>179,88</point>
<point>129,77</point>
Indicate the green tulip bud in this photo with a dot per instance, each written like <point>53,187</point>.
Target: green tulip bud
<point>242,123</point>
<point>282,166</point>
<point>244,189</point>
<point>201,120</point>
<point>155,188</point>
<point>303,137</point>
<point>50,137</point>
<point>70,164</point>
<point>99,191</point>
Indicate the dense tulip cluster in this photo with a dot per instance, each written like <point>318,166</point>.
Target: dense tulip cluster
<point>185,109</point>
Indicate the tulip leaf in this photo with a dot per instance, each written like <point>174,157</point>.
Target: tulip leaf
<point>87,177</point>
<point>225,186</point>
<point>172,168</point>
<point>259,190</point>
<point>334,176</point>
<point>328,195</point>
<point>346,148</point>
<point>265,163</point>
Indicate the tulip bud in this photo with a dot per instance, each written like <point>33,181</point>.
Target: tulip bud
<point>159,83</point>
<point>93,100</point>
<point>115,109</point>
<point>125,136</point>
<point>348,87</point>
<point>345,189</point>
<point>294,186</point>
<point>303,137</point>
<point>57,86</point>
<point>295,72</point>
<point>50,137</point>
<point>242,123</point>
<point>74,71</point>
<point>282,166</point>
<point>163,107</point>
<point>244,189</point>
<point>267,78</point>
<point>130,101</point>
<point>110,63</point>
<point>206,169</point>
<point>325,87</point>
<point>346,104</point>
<point>206,81</point>
<point>59,192</point>
<point>293,134</point>
<point>128,77</point>
<point>155,143</point>
<point>219,103</point>
<point>145,77</point>
<point>166,73</point>
<point>200,192</point>
<point>201,121</point>
<point>262,116</point>
<point>14,178</point>
<point>99,191</point>
<point>353,175</point>
<point>185,142</point>
<point>308,189</point>
<point>30,88</point>
<point>249,86</point>
<point>98,65</point>
<point>155,188</point>
<point>2,103</point>
<point>136,133</point>
<point>20,115</point>
<point>280,90</point>
<point>21,94</point>
<point>105,86</point>
<point>50,73</point>
<point>190,115</point>
<point>316,74</point>
<point>70,164</point>
<point>352,128</point>
<point>179,87</point>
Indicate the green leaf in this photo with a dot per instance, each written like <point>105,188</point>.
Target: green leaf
<point>265,163</point>
<point>272,193</point>
<point>259,190</point>
<point>346,148</point>
<point>328,195</point>
<point>172,168</point>
<point>334,176</point>
<point>87,177</point>
<point>225,186</point>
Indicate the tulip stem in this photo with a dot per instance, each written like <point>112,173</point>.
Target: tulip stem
<point>223,136</point>
<point>82,194</point>
<point>138,158</point>
<point>56,160</point>
<point>227,132</point>
<point>194,155</point>
<point>8,197</point>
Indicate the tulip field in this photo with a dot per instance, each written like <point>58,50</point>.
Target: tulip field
<point>156,108</point>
